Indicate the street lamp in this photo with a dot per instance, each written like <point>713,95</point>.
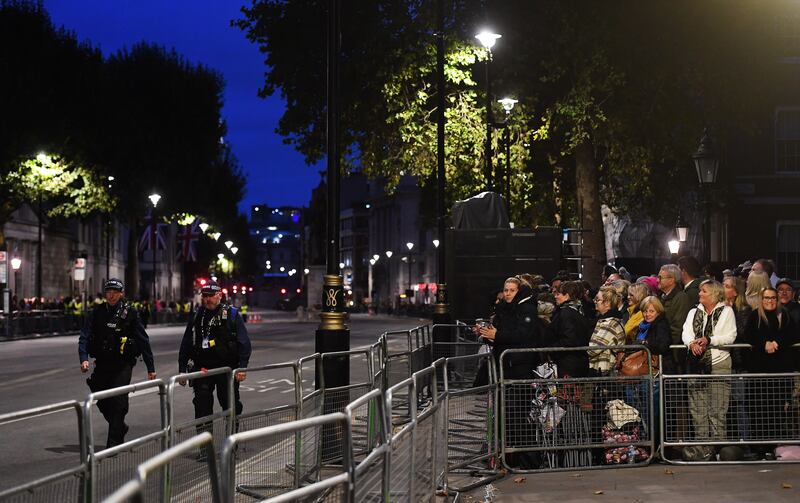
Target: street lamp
<point>16,263</point>
<point>487,40</point>
<point>674,246</point>
<point>390,287</point>
<point>409,246</point>
<point>682,229</point>
<point>154,199</point>
<point>508,106</point>
<point>203,227</point>
<point>228,244</point>
<point>706,165</point>
<point>436,243</point>
<point>215,236</point>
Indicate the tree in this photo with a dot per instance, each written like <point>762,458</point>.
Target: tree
<point>614,95</point>
<point>40,117</point>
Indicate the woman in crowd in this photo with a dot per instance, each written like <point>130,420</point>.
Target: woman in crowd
<point>608,330</point>
<point>708,326</point>
<point>515,325</point>
<point>654,333</point>
<point>736,298</point>
<point>757,281</point>
<point>771,333</point>
<point>621,287</point>
<point>636,294</point>
<point>571,329</point>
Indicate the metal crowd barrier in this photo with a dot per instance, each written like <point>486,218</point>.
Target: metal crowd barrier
<point>461,340</point>
<point>65,484</point>
<point>110,468</point>
<point>704,413</point>
<point>284,455</point>
<point>268,381</point>
<point>135,491</point>
<point>469,450</point>
<point>371,464</point>
<point>551,424</point>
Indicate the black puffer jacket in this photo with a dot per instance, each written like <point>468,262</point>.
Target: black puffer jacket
<point>571,329</point>
<point>517,326</point>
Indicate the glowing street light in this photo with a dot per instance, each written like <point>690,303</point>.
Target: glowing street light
<point>436,243</point>
<point>228,244</point>
<point>154,198</point>
<point>215,236</point>
<point>389,254</point>
<point>674,246</point>
<point>220,256</point>
<point>203,227</point>
<point>487,38</point>
<point>409,246</point>
<point>234,249</point>
<point>16,263</point>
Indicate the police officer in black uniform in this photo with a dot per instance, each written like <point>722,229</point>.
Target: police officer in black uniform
<point>215,337</point>
<point>114,336</point>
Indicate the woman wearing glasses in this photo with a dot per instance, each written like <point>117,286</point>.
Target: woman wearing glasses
<point>771,333</point>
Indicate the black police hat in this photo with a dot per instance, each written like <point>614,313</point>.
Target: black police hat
<point>114,284</point>
<point>211,288</point>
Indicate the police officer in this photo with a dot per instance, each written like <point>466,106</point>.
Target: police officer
<point>215,337</point>
<point>114,337</point>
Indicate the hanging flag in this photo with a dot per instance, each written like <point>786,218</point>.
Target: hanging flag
<point>153,236</point>
<point>187,241</point>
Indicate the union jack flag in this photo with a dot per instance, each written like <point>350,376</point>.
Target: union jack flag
<point>153,235</point>
<point>187,241</point>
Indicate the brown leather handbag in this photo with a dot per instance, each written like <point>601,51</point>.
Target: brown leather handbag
<point>635,364</point>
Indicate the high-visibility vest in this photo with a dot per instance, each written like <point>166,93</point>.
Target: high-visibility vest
<point>244,308</point>
<point>77,307</point>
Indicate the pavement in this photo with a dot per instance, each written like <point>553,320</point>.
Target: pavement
<point>762,483</point>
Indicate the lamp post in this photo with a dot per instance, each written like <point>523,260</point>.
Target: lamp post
<point>508,106</point>
<point>154,199</point>
<point>410,246</point>
<point>441,313</point>
<point>332,334</point>
<point>706,164</point>
<point>108,234</point>
<point>487,40</point>
<point>390,288</point>
<point>234,249</point>
<point>40,172</point>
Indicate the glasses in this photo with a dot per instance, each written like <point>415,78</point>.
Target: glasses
<point>770,298</point>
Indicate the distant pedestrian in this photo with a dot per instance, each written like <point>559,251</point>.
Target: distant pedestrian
<point>114,336</point>
<point>215,337</point>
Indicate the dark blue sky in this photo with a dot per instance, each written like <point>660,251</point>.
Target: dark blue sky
<point>200,30</point>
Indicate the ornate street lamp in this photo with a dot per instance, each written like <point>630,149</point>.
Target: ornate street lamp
<point>706,164</point>
<point>154,199</point>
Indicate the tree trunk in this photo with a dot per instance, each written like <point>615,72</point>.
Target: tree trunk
<point>132,267</point>
<point>588,192</point>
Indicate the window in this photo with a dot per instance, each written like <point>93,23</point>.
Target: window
<point>787,29</point>
<point>787,140</point>
<point>788,249</point>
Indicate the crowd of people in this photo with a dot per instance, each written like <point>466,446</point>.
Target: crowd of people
<point>683,305</point>
<point>75,308</point>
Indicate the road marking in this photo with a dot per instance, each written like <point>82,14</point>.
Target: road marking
<point>31,377</point>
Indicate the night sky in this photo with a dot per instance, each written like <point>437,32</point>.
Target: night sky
<point>200,30</point>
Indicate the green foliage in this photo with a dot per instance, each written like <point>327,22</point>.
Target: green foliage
<point>69,189</point>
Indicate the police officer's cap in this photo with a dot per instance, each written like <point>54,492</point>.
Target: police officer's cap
<point>211,288</point>
<point>114,284</point>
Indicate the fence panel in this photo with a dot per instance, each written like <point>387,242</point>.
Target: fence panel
<point>568,423</point>
<point>138,489</point>
<point>705,413</point>
<point>336,399</point>
<point>273,395</point>
<point>370,464</point>
<point>401,441</point>
<point>60,474</point>
<point>110,468</point>
<point>470,422</point>
<point>281,444</point>
<point>427,408</point>
<point>309,456</point>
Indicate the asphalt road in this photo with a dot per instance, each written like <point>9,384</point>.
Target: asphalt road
<point>39,372</point>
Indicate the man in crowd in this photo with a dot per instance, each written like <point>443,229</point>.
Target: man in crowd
<point>786,297</point>
<point>676,304</point>
<point>215,337</point>
<point>114,337</point>
<point>690,277</point>
<point>768,266</point>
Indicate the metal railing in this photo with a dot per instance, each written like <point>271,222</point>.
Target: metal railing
<point>551,423</point>
<point>66,484</point>
<point>753,413</point>
<point>454,424</point>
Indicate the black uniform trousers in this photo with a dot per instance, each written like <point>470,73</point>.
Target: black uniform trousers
<point>115,408</point>
<point>204,395</point>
